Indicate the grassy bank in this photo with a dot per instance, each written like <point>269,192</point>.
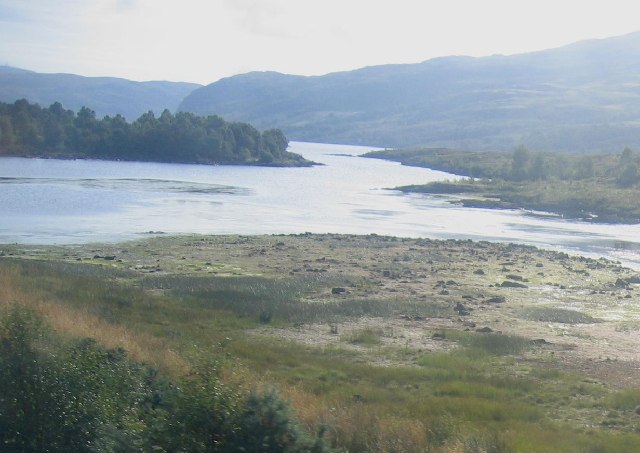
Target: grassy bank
<point>388,344</point>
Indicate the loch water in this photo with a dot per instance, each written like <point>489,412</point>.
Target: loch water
<point>47,201</point>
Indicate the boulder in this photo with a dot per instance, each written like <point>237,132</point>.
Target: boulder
<point>509,284</point>
<point>497,300</point>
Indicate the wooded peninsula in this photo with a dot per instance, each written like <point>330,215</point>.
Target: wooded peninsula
<point>28,130</point>
<point>593,187</point>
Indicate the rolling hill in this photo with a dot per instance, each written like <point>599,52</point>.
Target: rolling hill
<point>581,97</point>
<point>104,95</point>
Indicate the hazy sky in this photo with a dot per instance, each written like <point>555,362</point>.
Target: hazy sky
<point>202,41</point>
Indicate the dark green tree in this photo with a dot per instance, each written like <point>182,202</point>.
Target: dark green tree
<point>520,160</point>
<point>28,129</point>
<point>629,175</point>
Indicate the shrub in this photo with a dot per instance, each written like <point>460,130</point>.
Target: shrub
<point>201,412</point>
<point>266,424</point>
<point>80,397</point>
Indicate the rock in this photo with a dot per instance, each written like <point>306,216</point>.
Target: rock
<point>539,341</point>
<point>386,273</point>
<point>438,336</point>
<point>517,278</point>
<point>462,309</point>
<point>497,300</point>
<point>620,283</point>
<point>413,318</point>
<point>105,257</point>
<point>479,272</point>
<point>469,324</point>
<point>485,330</point>
<point>340,291</point>
<point>508,284</point>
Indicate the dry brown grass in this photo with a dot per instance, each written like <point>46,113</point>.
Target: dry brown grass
<point>140,346</point>
<point>71,322</point>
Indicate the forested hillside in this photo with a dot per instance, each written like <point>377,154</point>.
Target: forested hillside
<point>105,95</point>
<point>582,97</point>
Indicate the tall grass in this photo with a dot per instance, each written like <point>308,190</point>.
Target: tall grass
<point>285,299</point>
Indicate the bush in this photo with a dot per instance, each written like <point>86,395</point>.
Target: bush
<point>201,414</point>
<point>267,425</point>
<point>80,397</point>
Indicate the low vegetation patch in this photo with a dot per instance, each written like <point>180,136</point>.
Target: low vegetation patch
<point>561,315</point>
<point>365,337</point>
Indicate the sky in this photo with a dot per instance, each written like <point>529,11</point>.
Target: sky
<point>202,41</point>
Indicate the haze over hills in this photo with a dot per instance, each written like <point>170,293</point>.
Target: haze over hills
<point>104,95</point>
<point>581,97</point>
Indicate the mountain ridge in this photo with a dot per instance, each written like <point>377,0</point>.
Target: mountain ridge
<point>104,95</point>
<point>580,97</point>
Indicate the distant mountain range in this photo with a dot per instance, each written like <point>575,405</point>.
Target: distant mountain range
<point>104,95</point>
<point>582,97</point>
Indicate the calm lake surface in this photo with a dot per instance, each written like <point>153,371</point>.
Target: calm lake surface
<point>67,202</point>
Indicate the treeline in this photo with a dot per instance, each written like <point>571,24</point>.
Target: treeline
<point>594,187</point>
<point>30,130</point>
<point>522,165</point>
<point>620,170</point>
<point>81,397</point>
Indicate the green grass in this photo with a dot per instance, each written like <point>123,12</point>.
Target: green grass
<point>284,299</point>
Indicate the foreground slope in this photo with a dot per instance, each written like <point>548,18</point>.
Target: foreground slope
<point>390,344</point>
<point>580,97</point>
